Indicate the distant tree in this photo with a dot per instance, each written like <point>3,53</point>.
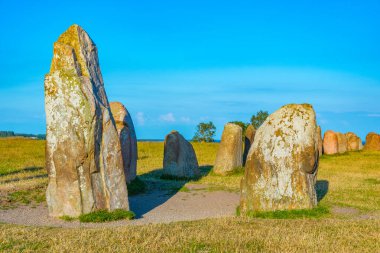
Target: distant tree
<point>258,119</point>
<point>242,125</point>
<point>205,132</point>
<point>6,133</point>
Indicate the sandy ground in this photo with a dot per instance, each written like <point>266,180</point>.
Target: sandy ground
<point>150,208</point>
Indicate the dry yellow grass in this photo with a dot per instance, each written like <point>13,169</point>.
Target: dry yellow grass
<point>353,181</point>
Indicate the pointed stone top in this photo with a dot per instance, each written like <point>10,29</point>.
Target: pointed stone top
<point>75,38</point>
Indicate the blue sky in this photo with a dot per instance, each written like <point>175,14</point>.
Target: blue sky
<point>177,63</point>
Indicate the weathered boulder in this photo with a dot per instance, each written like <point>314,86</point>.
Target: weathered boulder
<point>342,143</point>
<point>330,143</point>
<point>180,159</point>
<point>249,137</point>
<point>354,143</point>
<point>320,141</point>
<point>282,163</point>
<point>83,155</point>
<point>128,141</point>
<point>372,142</point>
<point>230,152</point>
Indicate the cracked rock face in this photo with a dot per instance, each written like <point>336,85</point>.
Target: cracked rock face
<point>282,163</point>
<point>249,137</point>
<point>342,143</point>
<point>230,152</point>
<point>83,154</point>
<point>354,143</point>
<point>128,141</point>
<point>180,159</point>
<point>330,143</point>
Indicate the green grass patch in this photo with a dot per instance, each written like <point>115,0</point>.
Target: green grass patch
<point>184,189</point>
<point>27,197</point>
<point>104,216</point>
<point>373,181</point>
<point>67,218</point>
<point>316,212</point>
<point>238,171</point>
<point>136,186</point>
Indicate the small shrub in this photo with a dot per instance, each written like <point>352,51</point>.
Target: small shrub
<point>136,186</point>
<point>104,216</point>
<point>316,212</point>
<point>67,218</point>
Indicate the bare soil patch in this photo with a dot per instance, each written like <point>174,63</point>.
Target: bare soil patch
<point>150,208</point>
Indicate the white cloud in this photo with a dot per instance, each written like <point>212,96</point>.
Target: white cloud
<point>185,119</point>
<point>169,117</point>
<point>140,118</point>
<point>374,115</point>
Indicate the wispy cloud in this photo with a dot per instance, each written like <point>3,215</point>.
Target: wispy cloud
<point>374,115</point>
<point>140,118</point>
<point>169,117</point>
<point>185,119</point>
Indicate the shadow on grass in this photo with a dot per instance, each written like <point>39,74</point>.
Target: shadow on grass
<point>159,189</point>
<point>321,187</point>
<point>27,169</point>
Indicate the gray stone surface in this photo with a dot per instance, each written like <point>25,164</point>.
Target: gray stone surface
<point>230,152</point>
<point>83,155</point>
<point>180,159</point>
<point>127,136</point>
<point>282,164</point>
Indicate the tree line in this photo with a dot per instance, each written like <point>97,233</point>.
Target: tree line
<point>206,130</point>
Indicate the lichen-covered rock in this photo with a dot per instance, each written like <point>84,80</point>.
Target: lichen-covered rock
<point>179,157</point>
<point>230,152</point>
<point>128,141</point>
<point>330,143</point>
<point>249,137</point>
<point>372,142</point>
<point>354,143</point>
<point>282,163</point>
<point>320,141</point>
<point>83,155</point>
<point>342,143</point>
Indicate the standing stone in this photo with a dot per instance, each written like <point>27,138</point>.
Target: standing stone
<point>372,142</point>
<point>330,143</point>
<point>128,141</point>
<point>180,159</point>
<point>282,164</point>
<point>248,140</point>
<point>83,155</point>
<point>342,143</point>
<point>320,141</point>
<point>230,152</point>
<point>354,143</point>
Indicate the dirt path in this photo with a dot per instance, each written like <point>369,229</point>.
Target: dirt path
<point>153,207</point>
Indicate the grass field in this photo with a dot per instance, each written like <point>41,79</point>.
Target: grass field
<point>349,187</point>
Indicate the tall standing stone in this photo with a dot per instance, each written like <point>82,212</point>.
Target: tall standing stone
<point>372,142</point>
<point>249,137</point>
<point>127,136</point>
<point>342,143</point>
<point>83,155</point>
<point>180,159</point>
<point>230,152</point>
<point>330,143</point>
<point>282,164</point>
